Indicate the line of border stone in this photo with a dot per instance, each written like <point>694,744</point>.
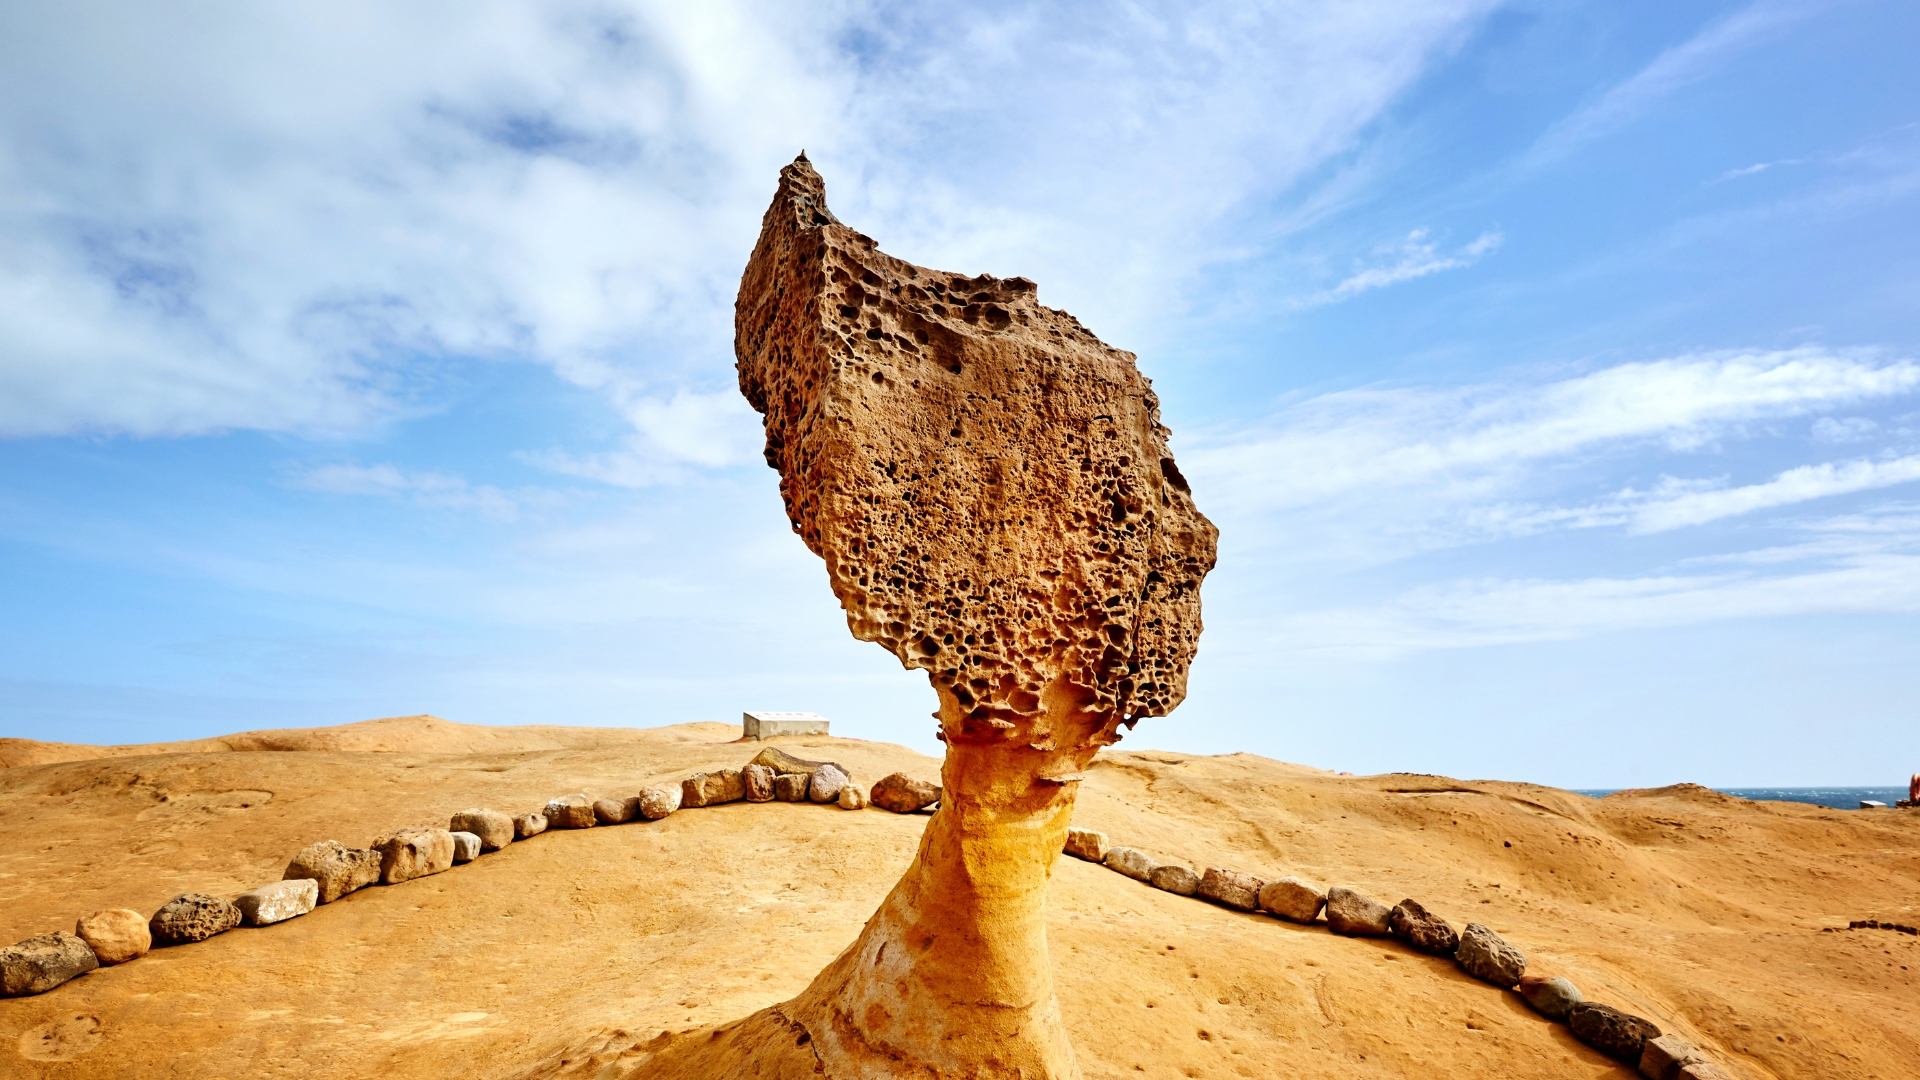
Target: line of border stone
<point>1478,950</point>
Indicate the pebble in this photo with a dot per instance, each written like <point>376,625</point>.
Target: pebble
<point>759,781</point>
<point>39,964</point>
<point>1137,865</point>
<point>406,854</point>
<point>1422,929</point>
<point>570,812</point>
<point>615,811</point>
<point>1612,1032</point>
<point>1663,1057</point>
<point>791,786</point>
<point>1233,888</point>
<point>280,901</point>
<point>659,801</point>
<point>852,798</point>
<point>1356,914</point>
<point>466,847</point>
<point>335,867</point>
<point>902,794</point>
<point>494,828</point>
<point>826,783</point>
<point>1087,844</point>
<point>116,935</point>
<point>1174,879</point>
<point>529,825</point>
<point>1487,956</point>
<point>192,917</point>
<point>1293,899</point>
<point>1550,998</point>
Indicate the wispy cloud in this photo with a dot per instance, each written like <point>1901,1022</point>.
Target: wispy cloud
<point>1414,257</point>
<point>430,489</point>
<point>1759,167</point>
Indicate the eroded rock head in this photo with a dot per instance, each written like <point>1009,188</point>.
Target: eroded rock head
<point>989,484</point>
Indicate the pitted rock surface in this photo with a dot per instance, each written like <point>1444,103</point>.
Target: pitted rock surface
<point>1612,1032</point>
<point>1422,929</point>
<point>416,852</point>
<point>988,483</point>
<point>759,782</point>
<point>1486,955</point>
<point>39,964</point>
<point>192,917</point>
<point>337,868</point>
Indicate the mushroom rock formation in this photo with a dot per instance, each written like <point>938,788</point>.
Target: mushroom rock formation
<point>991,490</point>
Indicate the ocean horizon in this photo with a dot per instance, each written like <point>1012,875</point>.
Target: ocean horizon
<point>1837,798</point>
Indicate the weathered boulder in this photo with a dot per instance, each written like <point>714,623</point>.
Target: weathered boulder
<point>693,791</point>
<point>1662,1057</point>
<point>1137,865</point>
<point>335,867</point>
<point>192,917</point>
<point>280,901</point>
<point>1486,955</point>
<point>615,811</point>
<point>1087,844</point>
<point>1174,879</point>
<point>39,964</point>
<point>724,786</point>
<point>826,784</point>
<point>780,761</point>
<point>116,935</point>
<point>466,847</point>
<point>1356,914</point>
<point>1617,1034</point>
<point>1550,998</point>
<point>570,812</point>
<point>1422,929</point>
<point>1293,899</point>
<point>529,825</point>
<point>1232,888</point>
<point>659,801</point>
<point>902,794</point>
<point>792,786</point>
<point>494,828</point>
<point>758,780</point>
<point>851,797</point>
<point>414,852</point>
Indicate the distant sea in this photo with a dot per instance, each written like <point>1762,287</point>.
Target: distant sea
<point>1839,798</point>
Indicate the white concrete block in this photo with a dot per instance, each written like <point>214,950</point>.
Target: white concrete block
<point>765,725</point>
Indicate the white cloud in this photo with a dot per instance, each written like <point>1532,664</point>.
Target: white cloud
<point>263,216</point>
<point>1759,167</point>
<point>1848,429</point>
<point>421,488</point>
<point>1414,257</point>
<point>1473,442</point>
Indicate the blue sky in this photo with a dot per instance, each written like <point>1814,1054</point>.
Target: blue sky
<point>1551,369</point>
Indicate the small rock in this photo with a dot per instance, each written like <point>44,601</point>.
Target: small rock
<point>192,917</point>
<point>570,812</point>
<point>1137,865</point>
<point>1293,899</point>
<point>693,790</point>
<point>1486,955</point>
<point>337,868</point>
<point>1701,1070</point>
<point>1550,998</point>
<point>1233,888</point>
<point>529,825</point>
<point>39,964</point>
<point>725,786</point>
<point>658,802</point>
<point>792,786</point>
<point>1663,1057</point>
<point>1174,879</point>
<point>759,782</point>
<point>116,935</point>
<point>852,798</point>
<point>1087,844</point>
<point>826,784</point>
<point>615,811</point>
<point>494,828</point>
<point>1606,1029</point>
<point>1356,914</point>
<point>1422,929</point>
<point>414,852</point>
<point>282,900</point>
<point>902,794</point>
<point>466,847</point>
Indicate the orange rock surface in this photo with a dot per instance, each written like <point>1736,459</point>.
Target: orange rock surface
<point>586,952</point>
